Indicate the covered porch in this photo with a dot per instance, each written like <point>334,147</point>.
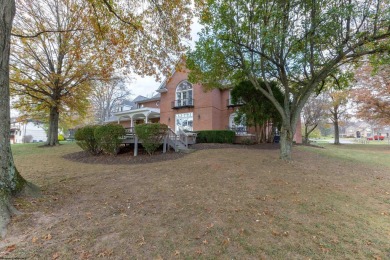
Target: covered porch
<point>144,115</point>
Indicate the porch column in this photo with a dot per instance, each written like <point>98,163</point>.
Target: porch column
<point>146,117</point>
<point>131,121</point>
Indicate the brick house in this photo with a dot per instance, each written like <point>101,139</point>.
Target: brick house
<point>185,106</point>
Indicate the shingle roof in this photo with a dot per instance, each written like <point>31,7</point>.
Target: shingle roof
<point>139,98</point>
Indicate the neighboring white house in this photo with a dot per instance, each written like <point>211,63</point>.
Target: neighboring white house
<point>27,132</point>
<point>364,129</point>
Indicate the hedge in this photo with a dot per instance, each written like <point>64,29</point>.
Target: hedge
<point>215,136</point>
<point>85,138</point>
<point>151,135</point>
<point>108,137</point>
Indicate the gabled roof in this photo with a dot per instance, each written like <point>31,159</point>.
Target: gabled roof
<point>139,98</point>
<point>128,103</point>
<point>153,98</point>
<point>163,87</point>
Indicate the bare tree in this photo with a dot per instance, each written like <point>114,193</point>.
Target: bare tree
<point>107,95</point>
<point>313,114</point>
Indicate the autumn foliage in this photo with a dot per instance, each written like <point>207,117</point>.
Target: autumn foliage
<point>372,94</point>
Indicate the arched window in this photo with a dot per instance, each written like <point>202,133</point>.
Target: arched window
<point>184,94</point>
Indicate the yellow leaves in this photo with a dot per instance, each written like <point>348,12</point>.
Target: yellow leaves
<point>88,215</point>
<point>106,253</point>
<point>47,237</point>
<point>141,241</point>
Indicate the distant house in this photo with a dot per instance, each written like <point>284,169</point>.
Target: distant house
<point>29,131</point>
<point>184,106</point>
<point>125,105</point>
<point>364,129</point>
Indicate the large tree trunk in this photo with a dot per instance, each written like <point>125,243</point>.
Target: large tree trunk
<point>286,142</point>
<point>10,180</point>
<point>52,135</point>
<point>336,128</point>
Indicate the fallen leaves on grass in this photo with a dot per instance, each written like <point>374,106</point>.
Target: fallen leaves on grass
<point>226,241</point>
<point>55,256</point>
<point>47,237</point>
<point>106,253</point>
<point>10,248</point>
<point>280,234</point>
<point>85,255</point>
<point>142,241</point>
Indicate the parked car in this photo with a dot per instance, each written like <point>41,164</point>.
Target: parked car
<point>370,138</point>
<point>379,137</point>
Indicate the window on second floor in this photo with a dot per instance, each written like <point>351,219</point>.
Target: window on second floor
<point>184,94</point>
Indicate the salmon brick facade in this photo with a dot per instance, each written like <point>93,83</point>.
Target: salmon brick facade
<point>188,107</point>
<point>209,108</point>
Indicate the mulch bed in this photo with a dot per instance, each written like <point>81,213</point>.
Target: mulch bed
<point>125,156</point>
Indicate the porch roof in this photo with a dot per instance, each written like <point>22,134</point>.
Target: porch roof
<point>139,113</point>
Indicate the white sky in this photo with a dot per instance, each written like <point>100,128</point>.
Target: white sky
<point>146,86</point>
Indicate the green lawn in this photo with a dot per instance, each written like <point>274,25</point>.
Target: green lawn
<point>374,153</point>
<point>38,148</point>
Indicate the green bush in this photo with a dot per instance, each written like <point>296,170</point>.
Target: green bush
<point>248,141</point>
<point>108,137</point>
<point>85,138</point>
<point>151,135</point>
<point>215,136</point>
<point>61,137</point>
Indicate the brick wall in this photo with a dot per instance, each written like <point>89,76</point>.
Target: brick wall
<point>210,110</point>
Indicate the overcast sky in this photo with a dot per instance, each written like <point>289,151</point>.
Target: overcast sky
<point>145,86</point>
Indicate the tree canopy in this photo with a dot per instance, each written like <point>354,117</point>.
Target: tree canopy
<point>297,43</point>
<point>84,41</point>
<point>372,93</point>
<point>256,109</point>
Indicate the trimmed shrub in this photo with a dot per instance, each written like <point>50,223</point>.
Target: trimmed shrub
<point>108,137</point>
<point>151,135</point>
<point>248,141</point>
<point>61,137</point>
<point>85,138</point>
<point>215,136</point>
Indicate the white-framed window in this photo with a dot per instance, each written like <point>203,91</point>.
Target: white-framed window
<point>184,94</point>
<point>230,98</point>
<point>184,122</point>
<point>237,102</point>
<point>239,128</point>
